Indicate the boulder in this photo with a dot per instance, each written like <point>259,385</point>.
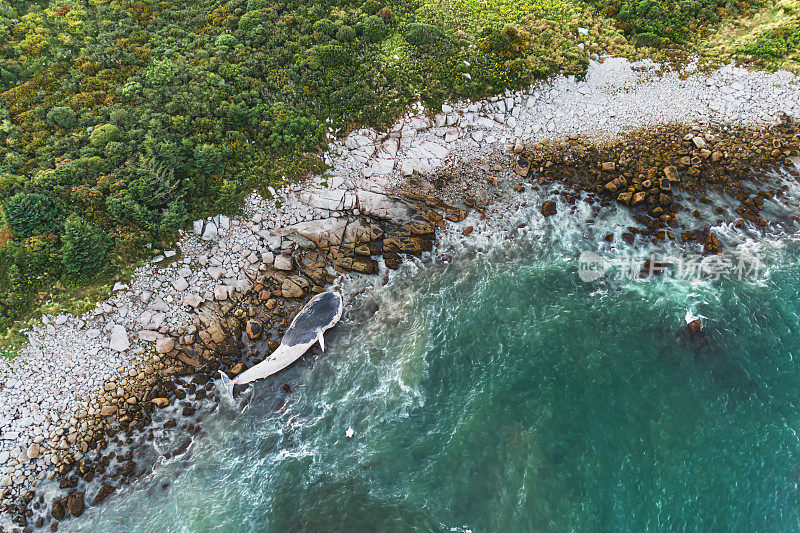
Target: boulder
<point>192,300</point>
<point>160,402</point>
<point>283,262</point>
<point>522,166</point>
<point>671,173</point>
<point>58,511</point>
<point>104,492</point>
<point>549,208</point>
<point>221,292</point>
<point>237,369</point>
<point>165,345</point>
<point>119,339</point>
<point>210,232</point>
<point>699,142</point>
<point>180,284</point>
<point>293,287</point>
<point>694,327</point>
<point>75,504</point>
<point>33,451</point>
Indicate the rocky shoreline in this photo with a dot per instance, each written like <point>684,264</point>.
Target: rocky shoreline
<point>230,283</point>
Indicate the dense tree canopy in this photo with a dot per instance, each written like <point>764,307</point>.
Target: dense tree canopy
<point>127,118</point>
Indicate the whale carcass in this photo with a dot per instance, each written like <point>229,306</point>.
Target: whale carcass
<point>321,313</point>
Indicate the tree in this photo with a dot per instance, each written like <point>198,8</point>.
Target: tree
<point>31,214</point>
<point>62,116</point>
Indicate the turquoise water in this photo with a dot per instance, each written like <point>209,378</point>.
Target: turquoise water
<point>501,393</point>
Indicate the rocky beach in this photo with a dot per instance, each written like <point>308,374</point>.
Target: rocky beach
<point>77,399</point>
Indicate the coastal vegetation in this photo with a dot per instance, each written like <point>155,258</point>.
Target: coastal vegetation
<point>123,120</point>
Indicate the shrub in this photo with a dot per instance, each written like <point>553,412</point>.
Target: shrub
<point>325,27</point>
<point>104,134</point>
<point>422,34</point>
<point>345,34</point>
<point>38,257</point>
<point>62,116</point>
<point>85,248</point>
<point>371,7</point>
<point>333,55</point>
<point>374,30</point>
<point>31,214</point>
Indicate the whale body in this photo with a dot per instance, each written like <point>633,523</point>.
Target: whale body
<point>321,313</point>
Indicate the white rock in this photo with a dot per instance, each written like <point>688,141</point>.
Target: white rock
<point>210,233</point>
<point>119,339</point>
<point>180,284</point>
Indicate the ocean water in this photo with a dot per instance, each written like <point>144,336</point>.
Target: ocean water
<point>499,392</point>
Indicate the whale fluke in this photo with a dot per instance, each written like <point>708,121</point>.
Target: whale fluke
<point>227,383</point>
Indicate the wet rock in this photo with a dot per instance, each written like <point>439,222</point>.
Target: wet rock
<point>104,492</point>
<point>237,369</point>
<point>160,402</point>
<point>548,208</point>
<point>75,504</point>
<point>253,329</point>
<point>58,511</point>
<point>522,166</point>
<point>414,244</point>
<point>392,260</point>
<point>671,173</point>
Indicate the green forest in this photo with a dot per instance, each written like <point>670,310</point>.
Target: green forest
<point>124,120</point>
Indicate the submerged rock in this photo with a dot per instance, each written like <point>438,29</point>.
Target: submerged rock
<point>694,327</point>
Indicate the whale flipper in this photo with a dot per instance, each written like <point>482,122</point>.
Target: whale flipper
<point>227,383</point>
<point>322,340</point>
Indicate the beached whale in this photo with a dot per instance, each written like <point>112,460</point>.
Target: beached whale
<point>321,313</point>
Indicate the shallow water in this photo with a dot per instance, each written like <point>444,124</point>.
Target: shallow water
<point>499,392</point>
